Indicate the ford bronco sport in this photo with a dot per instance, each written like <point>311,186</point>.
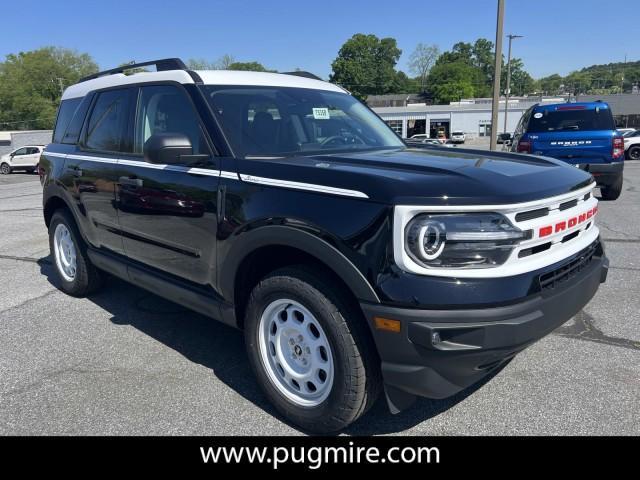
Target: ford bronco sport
<point>281,205</point>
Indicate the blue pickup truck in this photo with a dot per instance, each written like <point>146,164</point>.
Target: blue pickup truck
<point>582,134</point>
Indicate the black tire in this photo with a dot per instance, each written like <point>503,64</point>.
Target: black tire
<point>613,191</point>
<point>87,278</point>
<point>357,381</point>
<point>634,153</point>
<point>5,169</point>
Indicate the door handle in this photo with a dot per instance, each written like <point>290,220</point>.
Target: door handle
<point>135,182</point>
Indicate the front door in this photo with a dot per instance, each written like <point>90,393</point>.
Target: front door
<point>167,213</point>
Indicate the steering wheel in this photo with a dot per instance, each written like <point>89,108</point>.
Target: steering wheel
<point>340,140</point>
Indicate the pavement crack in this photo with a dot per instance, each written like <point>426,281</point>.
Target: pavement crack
<point>29,300</point>
<point>43,260</point>
<point>584,329</point>
<point>621,240</point>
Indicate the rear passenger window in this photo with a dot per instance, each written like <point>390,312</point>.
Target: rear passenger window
<point>108,121</point>
<point>166,109</point>
<point>65,114</point>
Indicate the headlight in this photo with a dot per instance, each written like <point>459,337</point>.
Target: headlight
<point>479,240</point>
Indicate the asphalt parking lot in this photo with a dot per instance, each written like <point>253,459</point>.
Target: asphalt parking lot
<point>125,361</point>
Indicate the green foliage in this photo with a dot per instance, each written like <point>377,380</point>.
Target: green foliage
<point>31,85</point>
<point>452,81</point>
<point>223,63</point>
<point>249,66</point>
<point>365,65</point>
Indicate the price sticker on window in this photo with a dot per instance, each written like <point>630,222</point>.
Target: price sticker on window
<point>321,113</point>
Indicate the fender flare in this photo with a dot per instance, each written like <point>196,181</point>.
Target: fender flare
<point>286,236</point>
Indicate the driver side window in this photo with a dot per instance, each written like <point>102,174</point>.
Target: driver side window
<point>166,109</point>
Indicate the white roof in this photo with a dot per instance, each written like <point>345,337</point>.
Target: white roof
<point>209,77</point>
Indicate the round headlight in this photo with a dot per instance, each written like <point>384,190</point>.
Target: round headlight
<point>426,239</point>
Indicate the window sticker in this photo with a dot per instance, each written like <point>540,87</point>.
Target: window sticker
<point>321,113</point>
<point>537,115</point>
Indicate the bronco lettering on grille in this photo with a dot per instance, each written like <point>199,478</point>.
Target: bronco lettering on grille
<point>569,223</point>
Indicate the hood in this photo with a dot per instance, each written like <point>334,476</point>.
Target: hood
<point>429,176</point>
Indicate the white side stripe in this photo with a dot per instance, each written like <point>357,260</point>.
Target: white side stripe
<point>272,182</point>
<point>302,186</point>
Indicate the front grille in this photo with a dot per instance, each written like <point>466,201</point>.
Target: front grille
<point>531,214</point>
<point>569,270</point>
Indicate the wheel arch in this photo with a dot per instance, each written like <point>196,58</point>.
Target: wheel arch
<point>258,252</point>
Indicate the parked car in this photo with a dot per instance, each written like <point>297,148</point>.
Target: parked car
<point>632,145</point>
<point>282,206</point>
<point>426,142</point>
<point>24,158</point>
<point>419,136</point>
<point>458,136</point>
<point>626,131</point>
<point>581,134</point>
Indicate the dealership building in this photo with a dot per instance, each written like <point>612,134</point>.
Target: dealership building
<point>473,116</point>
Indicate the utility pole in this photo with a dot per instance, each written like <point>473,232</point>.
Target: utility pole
<point>622,81</point>
<point>506,95</point>
<point>495,104</point>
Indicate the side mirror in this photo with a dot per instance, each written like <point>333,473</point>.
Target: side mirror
<point>167,148</point>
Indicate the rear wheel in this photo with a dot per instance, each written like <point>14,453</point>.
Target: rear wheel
<point>612,192</point>
<point>634,153</point>
<point>310,351</point>
<point>5,169</point>
<point>78,276</point>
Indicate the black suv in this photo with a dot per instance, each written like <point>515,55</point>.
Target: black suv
<point>281,205</point>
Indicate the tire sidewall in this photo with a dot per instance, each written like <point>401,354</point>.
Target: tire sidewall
<point>71,287</point>
<point>633,150</point>
<point>276,288</point>
<point>5,169</point>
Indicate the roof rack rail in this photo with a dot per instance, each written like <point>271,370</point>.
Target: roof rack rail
<point>302,73</point>
<point>161,65</point>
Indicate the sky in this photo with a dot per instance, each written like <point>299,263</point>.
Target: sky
<point>559,35</point>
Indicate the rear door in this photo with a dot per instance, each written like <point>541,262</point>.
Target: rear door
<point>167,213</point>
<point>574,134</point>
<point>91,168</point>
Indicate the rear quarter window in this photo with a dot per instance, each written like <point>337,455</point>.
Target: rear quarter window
<point>571,120</point>
<point>65,114</point>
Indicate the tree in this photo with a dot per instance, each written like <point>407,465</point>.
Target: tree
<point>421,61</point>
<point>222,63</point>
<point>550,85</point>
<point>365,65</point>
<point>521,82</point>
<point>452,81</point>
<point>249,66</point>
<point>31,84</point>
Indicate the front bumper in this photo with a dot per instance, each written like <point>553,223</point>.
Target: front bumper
<point>605,174</point>
<point>438,353</point>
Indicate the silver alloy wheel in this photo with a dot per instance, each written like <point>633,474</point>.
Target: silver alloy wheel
<point>5,169</point>
<point>65,252</point>
<point>295,353</point>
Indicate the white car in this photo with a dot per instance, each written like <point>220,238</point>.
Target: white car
<point>419,136</point>
<point>632,145</point>
<point>458,136</point>
<point>23,158</point>
<point>626,131</point>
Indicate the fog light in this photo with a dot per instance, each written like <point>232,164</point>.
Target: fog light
<point>435,338</point>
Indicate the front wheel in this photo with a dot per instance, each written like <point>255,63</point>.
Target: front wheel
<point>634,153</point>
<point>310,351</point>
<point>5,169</point>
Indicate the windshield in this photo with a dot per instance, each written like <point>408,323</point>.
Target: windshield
<point>280,121</point>
<point>571,120</point>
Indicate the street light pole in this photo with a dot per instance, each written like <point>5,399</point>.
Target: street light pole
<point>496,76</point>
<point>507,93</point>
